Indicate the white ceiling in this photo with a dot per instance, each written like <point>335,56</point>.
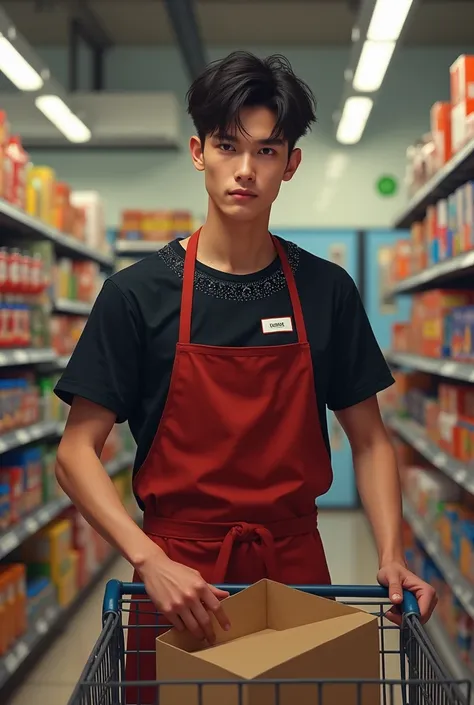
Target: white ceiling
<point>234,22</point>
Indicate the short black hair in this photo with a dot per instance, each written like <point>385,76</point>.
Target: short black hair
<point>242,80</point>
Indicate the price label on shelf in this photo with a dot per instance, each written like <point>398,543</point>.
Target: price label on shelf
<point>469,259</point>
<point>11,662</point>
<point>20,356</point>
<point>8,543</point>
<point>440,460</point>
<point>448,368</point>
<point>44,515</point>
<point>420,444</point>
<point>460,476</point>
<point>42,626</point>
<point>31,525</point>
<point>22,651</point>
<point>23,436</point>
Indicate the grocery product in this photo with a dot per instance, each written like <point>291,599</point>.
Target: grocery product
<point>440,325</point>
<point>462,98</point>
<point>19,403</point>
<point>159,226</point>
<point>90,204</point>
<point>16,161</point>
<point>65,332</point>
<point>441,131</point>
<point>4,136</point>
<point>40,193</point>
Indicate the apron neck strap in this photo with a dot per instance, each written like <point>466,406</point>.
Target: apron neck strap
<point>188,290</point>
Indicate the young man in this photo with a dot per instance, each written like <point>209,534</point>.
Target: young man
<point>223,351</point>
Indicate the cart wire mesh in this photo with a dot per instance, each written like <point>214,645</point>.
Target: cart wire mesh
<point>421,677</point>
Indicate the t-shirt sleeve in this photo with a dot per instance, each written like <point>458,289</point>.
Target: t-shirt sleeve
<point>104,367</point>
<point>359,370</point>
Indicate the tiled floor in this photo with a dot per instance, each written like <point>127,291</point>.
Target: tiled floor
<point>352,559</point>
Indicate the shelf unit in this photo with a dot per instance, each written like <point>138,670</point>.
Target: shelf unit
<point>25,228</point>
<point>459,169</point>
<point>462,588</point>
<point>416,436</point>
<point>74,308</point>
<point>450,369</point>
<point>43,515</point>
<point>23,436</point>
<point>137,247</point>
<point>54,617</point>
<point>14,358</point>
<point>445,181</point>
<point>22,223</point>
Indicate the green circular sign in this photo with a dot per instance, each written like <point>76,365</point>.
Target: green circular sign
<point>387,185</point>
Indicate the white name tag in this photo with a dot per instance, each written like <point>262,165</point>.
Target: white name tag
<point>277,325</point>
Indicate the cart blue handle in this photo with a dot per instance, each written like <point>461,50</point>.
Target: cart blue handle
<point>115,590</point>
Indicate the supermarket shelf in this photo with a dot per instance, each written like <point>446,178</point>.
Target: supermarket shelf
<point>447,179</point>
<point>447,650</point>
<point>415,435</point>
<point>443,368</point>
<point>11,358</point>
<point>15,536</point>
<point>462,588</point>
<point>62,362</point>
<point>76,308</point>
<point>23,436</point>
<point>138,247</point>
<point>54,617</point>
<point>450,269</point>
<point>17,220</point>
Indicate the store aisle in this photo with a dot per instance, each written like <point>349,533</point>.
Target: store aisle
<point>352,559</point>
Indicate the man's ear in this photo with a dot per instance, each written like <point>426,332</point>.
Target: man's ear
<point>293,163</point>
<point>197,152</point>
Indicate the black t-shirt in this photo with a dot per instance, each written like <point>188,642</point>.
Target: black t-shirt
<point>124,358</point>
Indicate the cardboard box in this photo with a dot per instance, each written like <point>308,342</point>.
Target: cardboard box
<point>277,633</point>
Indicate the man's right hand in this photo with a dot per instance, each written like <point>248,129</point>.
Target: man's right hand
<point>184,597</point>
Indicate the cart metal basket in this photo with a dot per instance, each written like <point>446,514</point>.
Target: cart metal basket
<point>421,677</point>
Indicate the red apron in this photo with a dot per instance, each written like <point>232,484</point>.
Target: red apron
<point>230,481</point>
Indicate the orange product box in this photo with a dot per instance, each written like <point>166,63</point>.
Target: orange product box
<point>401,261</point>
<point>62,214</point>
<point>7,580</point>
<point>400,335</point>
<point>441,130</point>
<point>435,306</point>
<point>18,577</point>
<point>461,75</point>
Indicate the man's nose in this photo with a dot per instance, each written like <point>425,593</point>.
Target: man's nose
<point>246,170</point>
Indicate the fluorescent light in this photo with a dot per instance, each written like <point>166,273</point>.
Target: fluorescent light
<point>17,69</point>
<point>388,19</point>
<point>63,118</point>
<point>354,118</point>
<point>373,63</point>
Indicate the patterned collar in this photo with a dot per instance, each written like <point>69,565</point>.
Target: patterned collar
<point>249,289</point>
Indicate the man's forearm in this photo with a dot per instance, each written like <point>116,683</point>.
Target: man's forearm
<point>84,479</point>
<point>378,483</point>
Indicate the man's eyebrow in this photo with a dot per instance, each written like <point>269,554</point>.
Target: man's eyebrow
<point>268,141</point>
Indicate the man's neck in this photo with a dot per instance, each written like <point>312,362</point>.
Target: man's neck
<point>233,246</point>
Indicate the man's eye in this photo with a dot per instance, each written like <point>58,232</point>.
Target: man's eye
<point>226,147</point>
<point>267,151</point>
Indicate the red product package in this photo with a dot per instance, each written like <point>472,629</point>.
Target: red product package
<point>16,161</point>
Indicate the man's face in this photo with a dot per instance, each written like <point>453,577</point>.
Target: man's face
<point>244,170</point>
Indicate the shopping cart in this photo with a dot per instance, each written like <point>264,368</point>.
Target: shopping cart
<point>422,679</point>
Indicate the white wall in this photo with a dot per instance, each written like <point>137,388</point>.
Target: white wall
<point>159,179</point>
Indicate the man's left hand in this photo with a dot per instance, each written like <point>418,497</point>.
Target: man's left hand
<point>397,578</point>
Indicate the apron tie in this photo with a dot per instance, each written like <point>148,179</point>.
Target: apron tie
<point>259,536</point>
